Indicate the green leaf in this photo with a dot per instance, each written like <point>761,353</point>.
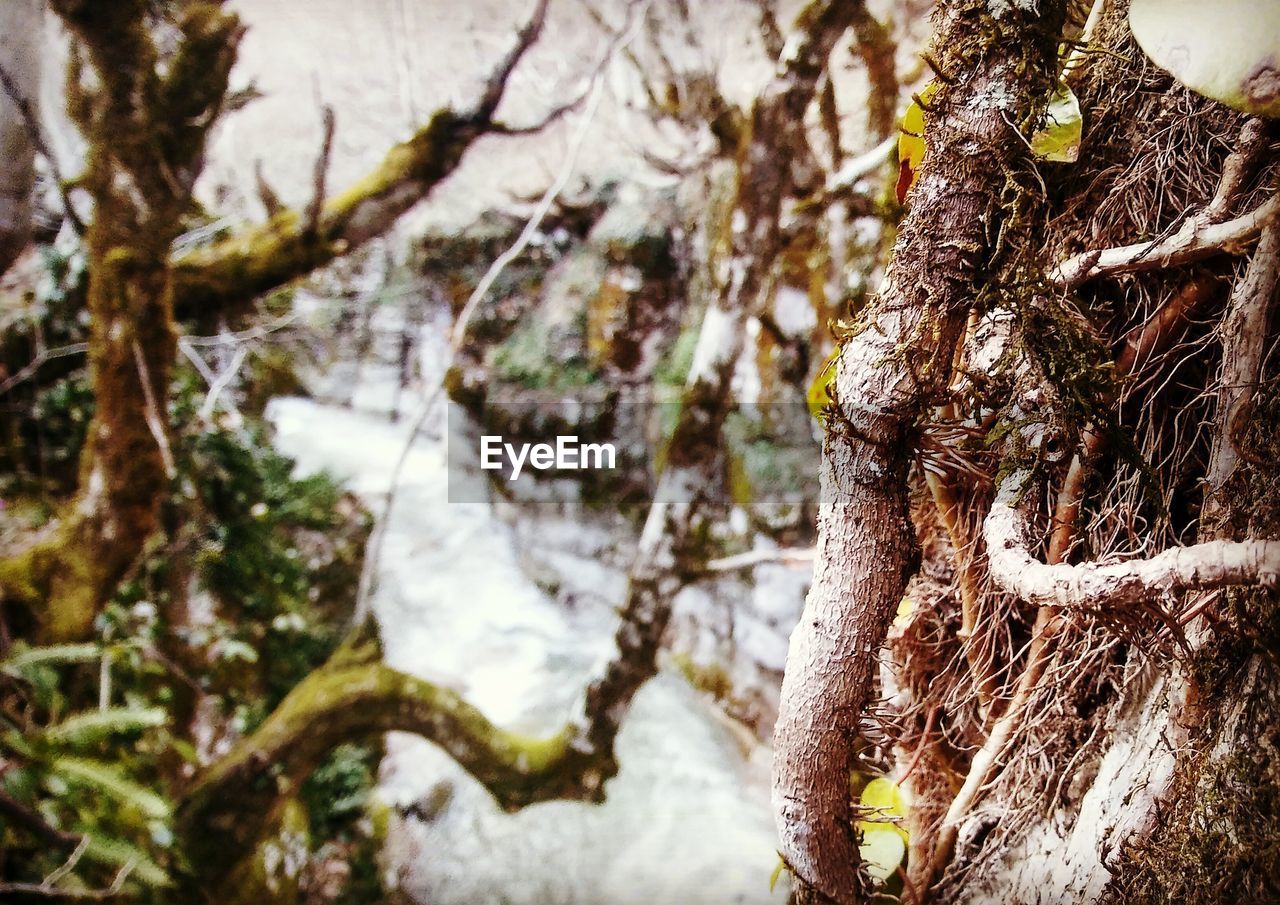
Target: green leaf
<point>93,726</point>
<point>1059,140</point>
<point>114,783</point>
<point>1228,50</point>
<point>20,664</point>
<point>116,853</point>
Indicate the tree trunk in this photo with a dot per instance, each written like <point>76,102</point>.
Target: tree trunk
<point>998,70</point>
<point>1137,762</point>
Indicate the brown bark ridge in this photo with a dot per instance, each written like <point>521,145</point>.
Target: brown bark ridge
<point>998,62</point>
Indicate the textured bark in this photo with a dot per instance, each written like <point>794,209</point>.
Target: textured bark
<point>1244,334</point>
<point>997,68</point>
<point>228,808</point>
<point>146,126</point>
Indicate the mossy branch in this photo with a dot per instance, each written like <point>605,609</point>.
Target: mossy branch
<point>226,811</point>
<point>224,279</point>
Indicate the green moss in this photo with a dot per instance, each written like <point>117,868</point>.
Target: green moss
<point>673,368</point>
<point>710,678</point>
<point>1218,843</point>
<point>524,360</point>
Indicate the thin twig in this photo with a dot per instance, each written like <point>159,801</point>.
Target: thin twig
<point>152,412</point>
<point>787,556</point>
<point>459,332</point>
<point>496,86</point>
<point>43,357</point>
<point>321,173</point>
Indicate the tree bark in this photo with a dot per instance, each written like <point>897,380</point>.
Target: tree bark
<point>227,810</point>
<point>146,121</point>
<point>998,72</point>
<point>146,131</point>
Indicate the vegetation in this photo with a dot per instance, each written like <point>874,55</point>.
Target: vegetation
<point>1037,657</point>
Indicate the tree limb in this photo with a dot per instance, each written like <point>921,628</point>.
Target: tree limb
<point>224,279</point>
<point>885,376</point>
<point>1008,534</point>
<point>1197,238</point>
<point>32,123</point>
<point>226,811</point>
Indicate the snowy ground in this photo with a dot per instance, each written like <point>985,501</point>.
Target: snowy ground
<point>687,819</point>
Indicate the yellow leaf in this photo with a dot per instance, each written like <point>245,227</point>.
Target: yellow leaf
<point>819,395</point>
<point>911,141</point>
<point>881,850</point>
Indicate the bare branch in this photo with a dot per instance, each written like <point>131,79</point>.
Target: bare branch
<point>151,412</point>
<point>20,815</point>
<point>1008,533</point>
<point>225,278</point>
<point>787,556</point>
<point>49,889</point>
<point>41,358</point>
<point>496,85</point>
<point>266,194</point>
<point>619,42</point>
<point>856,168</point>
<point>36,135</point>
<point>321,173</point>
<point>1238,168</point>
<point>1197,238</point>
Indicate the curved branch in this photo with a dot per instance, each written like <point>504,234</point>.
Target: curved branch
<point>1196,239</point>
<point>225,278</point>
<point>1008,534</point>
<point>227,809</point>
